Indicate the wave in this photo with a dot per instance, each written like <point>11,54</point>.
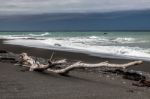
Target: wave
<point>95,44</point>
<point>115,40</point>
<point>23,36</point>
<point>93,37</point>
<point>104,40</point>
<point>40,35</point>
<point>113,50</point>
<point>123,40</point>
<point>101,40</point>
<point>61,44</point>
<point>13,37</point>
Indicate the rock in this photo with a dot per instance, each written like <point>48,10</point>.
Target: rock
<point>56,44</point>
<point>11,60</point>
<point>3,51</point>
<point>142,83</point>
<point>131,75</point>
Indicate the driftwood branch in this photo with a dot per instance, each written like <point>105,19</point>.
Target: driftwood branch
<point>52,56</point>
<point>35,65</point>
<point>85,65</point>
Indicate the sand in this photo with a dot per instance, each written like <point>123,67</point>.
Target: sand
<point>15,84</point>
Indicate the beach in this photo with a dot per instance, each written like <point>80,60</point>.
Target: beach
<point>74,49</point>
<point>78,85</point>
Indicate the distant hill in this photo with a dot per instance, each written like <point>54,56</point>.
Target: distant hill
<point>126,20</point>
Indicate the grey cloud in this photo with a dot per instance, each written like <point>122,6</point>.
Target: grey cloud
<point>54,6</point>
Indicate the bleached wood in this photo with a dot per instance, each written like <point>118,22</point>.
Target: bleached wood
<point>85,65</point>
<point>35,65</point>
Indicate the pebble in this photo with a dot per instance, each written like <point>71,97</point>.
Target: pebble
<point>124,82</point>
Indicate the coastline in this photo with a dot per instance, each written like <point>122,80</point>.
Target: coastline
<point>128,45</point>
<point>79,85</point>
<point>46,53</point>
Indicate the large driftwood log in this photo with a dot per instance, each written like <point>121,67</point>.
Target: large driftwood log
<point>85,65</point>
<point>28,61</point>
<point>35,65</point>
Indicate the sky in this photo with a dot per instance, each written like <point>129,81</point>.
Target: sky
<point>11,7</point>
<point>74,15</point>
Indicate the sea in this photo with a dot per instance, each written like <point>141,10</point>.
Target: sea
<point>132,45</point>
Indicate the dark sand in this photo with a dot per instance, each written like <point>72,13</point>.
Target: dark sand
<point>15,84</point>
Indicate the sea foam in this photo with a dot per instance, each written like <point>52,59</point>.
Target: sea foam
<point>86,44</point>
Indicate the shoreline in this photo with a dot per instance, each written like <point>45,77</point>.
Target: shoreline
<point>46,53</point>
<point>32,43</point>
<point>79,85</point>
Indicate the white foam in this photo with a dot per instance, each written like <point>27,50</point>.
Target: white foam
<point>93,37</point>
<point>124,40</point>
<point>13,37</point>
<point>92,44</point>
<point>105,40</point>
<point>46,33</point>
<point>113,50</point>
<point>39,35</point>
<point>27,36</point>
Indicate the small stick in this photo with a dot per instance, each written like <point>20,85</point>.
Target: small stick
<point>51,56</point>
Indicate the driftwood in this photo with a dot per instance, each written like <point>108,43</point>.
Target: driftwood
<point>142,83</point>
<point>33,65</point>
<point>85,65</point>
<point>62,67</point>
<point>130,75</point>
<point>27,61</point>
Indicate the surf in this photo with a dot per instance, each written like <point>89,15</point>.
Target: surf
<point>112,44</point>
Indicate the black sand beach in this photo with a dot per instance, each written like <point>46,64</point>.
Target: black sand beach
<point>15,84</point>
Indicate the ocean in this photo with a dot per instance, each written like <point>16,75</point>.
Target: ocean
<point>133,45</point>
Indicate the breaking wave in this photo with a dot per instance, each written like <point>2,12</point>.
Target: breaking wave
<point>40,35</point>
<point>94,44</point>
<point>85,45</point>
<point>26,36</point>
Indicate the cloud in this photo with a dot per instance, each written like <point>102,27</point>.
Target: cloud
<point>64,6</point>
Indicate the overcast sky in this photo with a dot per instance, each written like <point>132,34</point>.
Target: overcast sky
<point>63,6</point>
